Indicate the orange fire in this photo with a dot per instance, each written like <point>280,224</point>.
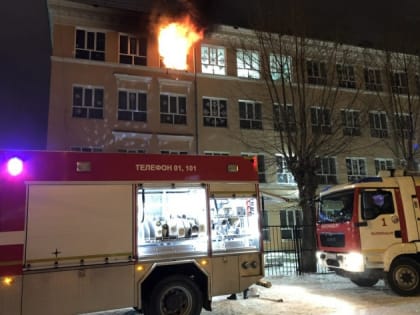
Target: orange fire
<point>175,40</point>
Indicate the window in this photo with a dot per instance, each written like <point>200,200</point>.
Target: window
<point>378,124</point>
<point>248,64</point>
<point>284,118</point>
<point>133,50</point>
<point>284,176</point>
<point>173,152</point>
<point>336,207</point>
<point>213,60</point>
<point>356,168</point>
<point>375,203</point>
<point>86,149</point>
<point>134,151</point>
<point>132,105</point>
<point>327,173</point>
<point>214,112</point>
<point>404,125</point>
<point>291,224</point>
<point>321,120</point>
<point>173,109</point>
<point>383,164</point>
<point>399,83</point>
<point>261,165</point>
<point>216,153</point>
<point>373,79</point>
<point>90,45</point>
<point>280,66</point>
<point>316,71</point>
<point>351,122</point>
<point>88,102</point>
<point>346,78</point>
<point>250,116</point>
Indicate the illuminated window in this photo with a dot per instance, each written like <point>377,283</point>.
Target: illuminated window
<point>250,115</point>
<point>173,109</point>
<point>316,72</point>
<point>90,45</point>
<point>213,60</point>
<point>132,105</point>
<point>321,120</point>
<point>378,124</point>
<point>133,50</point>
<point>346,78</point>
<point>248,64</point>
<point>327,172</point>
<point>214,112</point>
<point>280,66</point>
<point>356,168</point>
<point>351,122</point>
<point>383,164</point>
<point>284,176</point>
<point>88,102</point>
<point>373,79</point>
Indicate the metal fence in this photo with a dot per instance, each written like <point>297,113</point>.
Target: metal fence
<point>282,250</point>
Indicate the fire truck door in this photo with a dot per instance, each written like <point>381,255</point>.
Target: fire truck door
<point>379,223</point>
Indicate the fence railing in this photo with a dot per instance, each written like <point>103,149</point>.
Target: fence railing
<point>283,249</point>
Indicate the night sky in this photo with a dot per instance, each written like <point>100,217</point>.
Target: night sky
<point>25,69</point>
<point>26,47</point>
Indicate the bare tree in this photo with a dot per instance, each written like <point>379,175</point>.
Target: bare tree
<point>394,80</point>
<point>308,87</point>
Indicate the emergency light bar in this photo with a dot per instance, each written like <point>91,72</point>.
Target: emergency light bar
<point>15,166</point>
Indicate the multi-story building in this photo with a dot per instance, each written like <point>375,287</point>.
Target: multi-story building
<point>110,92</point>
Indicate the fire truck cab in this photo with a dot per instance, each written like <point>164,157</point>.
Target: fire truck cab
<point>370,230</point>
<point>86,232</point>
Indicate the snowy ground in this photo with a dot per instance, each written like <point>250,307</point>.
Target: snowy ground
<point>310,295</point>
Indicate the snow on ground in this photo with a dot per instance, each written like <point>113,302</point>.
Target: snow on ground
<point>311,295</point>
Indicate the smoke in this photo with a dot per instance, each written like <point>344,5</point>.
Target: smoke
<point>196,10</point>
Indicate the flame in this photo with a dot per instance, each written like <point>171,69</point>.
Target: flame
<point>175,39</point>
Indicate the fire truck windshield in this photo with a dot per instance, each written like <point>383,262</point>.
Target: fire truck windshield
<point>336,207</point>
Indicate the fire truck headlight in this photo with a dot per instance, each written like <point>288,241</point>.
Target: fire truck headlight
<point>354,262</point>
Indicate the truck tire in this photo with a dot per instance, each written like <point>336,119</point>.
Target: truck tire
<point>174,295</point>
<point>404,276</point>
<point>364,282</point>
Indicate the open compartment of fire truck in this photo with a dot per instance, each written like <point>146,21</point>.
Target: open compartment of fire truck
<point>173,220</point>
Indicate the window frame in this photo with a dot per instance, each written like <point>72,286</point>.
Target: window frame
<point>356,168</point>
<point>138,57</point>
<point>84,48</point>
<point>215,64</point>
<point>175,114</point>
<point>250,118</point>
<point>248,64</point>
<point>139,112</point>
<point>217,116</point>
<point>89,109</point>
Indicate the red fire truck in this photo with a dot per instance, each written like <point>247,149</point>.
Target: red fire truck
<point>85,232</point>
<point>370,230</point>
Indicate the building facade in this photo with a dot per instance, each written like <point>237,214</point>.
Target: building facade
<point>110,92</point>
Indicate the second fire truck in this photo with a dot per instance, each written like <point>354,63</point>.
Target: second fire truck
<point>370,230</point>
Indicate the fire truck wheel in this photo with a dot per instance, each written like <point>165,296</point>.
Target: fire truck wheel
<point>177,294</point>
<point>364,282</point>
<point>404,276</point>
